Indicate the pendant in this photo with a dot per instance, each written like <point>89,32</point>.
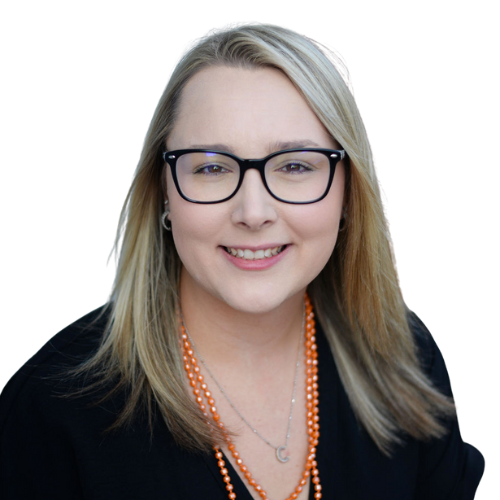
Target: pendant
<point>279,449</point>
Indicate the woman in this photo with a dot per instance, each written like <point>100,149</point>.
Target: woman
<point>256,344</point>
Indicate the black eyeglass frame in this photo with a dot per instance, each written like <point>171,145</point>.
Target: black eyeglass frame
<point>334,156</point>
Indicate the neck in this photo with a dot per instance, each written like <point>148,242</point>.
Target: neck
<point>225,335</point>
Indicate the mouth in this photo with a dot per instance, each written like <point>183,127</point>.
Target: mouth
<point>247,254</point>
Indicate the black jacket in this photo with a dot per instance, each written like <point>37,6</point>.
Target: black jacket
<point>54,448</point>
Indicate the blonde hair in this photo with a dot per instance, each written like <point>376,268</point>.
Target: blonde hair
<point>356,296</point>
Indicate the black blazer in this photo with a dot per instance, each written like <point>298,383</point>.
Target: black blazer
<point>55,449</point>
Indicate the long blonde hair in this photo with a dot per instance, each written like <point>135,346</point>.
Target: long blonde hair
<point>356,296</point>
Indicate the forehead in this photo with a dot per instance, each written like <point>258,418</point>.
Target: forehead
<point>248,109</point>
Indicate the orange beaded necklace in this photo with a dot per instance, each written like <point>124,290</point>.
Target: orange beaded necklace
<point>200,389</point>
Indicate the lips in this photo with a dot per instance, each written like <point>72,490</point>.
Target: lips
<point>261,254</point>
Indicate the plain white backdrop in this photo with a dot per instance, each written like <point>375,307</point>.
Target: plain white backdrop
<point>80,81</point>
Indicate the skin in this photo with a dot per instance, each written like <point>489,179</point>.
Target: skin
<point>247,323</point>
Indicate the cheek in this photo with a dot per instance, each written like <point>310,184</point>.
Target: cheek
<point>319,230</point>
<point>190,222</point>
<point>320,221</point>
<point>196,233</point>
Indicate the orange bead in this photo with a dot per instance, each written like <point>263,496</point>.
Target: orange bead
<point>229,487</point>
<point>232,495</point>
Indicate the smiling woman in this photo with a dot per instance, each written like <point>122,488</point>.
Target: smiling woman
<point>267,110</point>
<point>256,344</point>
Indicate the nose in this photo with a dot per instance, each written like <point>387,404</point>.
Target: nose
<point>254,207</point>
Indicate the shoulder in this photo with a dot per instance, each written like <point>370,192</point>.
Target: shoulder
<point>38,377</point>
<point>430,357</point>
<point>446,464</point>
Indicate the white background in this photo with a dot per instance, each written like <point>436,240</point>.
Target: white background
<point>80,81</point>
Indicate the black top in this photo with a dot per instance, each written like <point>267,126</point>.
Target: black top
<point>54,448</point>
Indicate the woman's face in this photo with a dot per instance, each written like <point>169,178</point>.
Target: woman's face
<point>251,113</point>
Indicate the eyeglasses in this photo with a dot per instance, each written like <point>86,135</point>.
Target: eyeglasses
<point>297,176</point>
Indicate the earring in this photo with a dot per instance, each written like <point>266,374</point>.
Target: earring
<point>343,220</point>
<point>164,217</point>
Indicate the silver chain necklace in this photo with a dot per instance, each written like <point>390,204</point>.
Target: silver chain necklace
<point>278,449</point>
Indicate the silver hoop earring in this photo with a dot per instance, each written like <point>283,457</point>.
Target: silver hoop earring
<point>164,217</point>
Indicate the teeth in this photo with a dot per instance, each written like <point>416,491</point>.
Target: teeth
<point>248,255</point>
<point>257,255</point>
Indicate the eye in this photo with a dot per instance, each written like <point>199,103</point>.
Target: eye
<point>211,169</point>
<point>295,167</point>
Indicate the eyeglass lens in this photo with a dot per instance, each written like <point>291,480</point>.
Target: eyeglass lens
<point>298,176</point>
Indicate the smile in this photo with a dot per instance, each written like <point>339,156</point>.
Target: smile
<point>247,254</point>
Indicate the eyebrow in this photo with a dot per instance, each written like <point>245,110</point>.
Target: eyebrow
<point>273,147</point>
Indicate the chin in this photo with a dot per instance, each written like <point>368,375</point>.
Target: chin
<point>259,301</point>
